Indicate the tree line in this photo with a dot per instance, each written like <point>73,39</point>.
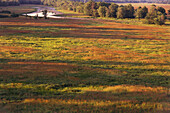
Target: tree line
<point>112,10</point>
<point>9,2</point>
<point>140,1</point>
<point>18,2</point>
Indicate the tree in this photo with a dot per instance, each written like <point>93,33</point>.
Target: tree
<point>80,9</point>
<point>141,12</point>
<point>138,13</point>
<point>95,13</point>
<point>160,19</point>
<point>169,11</point>
<point>108,13</point>
<point>102,11</point>
<point>103,4</point>
<point>162,10</point>
<point>14,15</point>
<point>45,13</point>
<point>121,13</point>
<point>151,15</point>
<point>26,15</point>
<point>129,11</point>
<point>36,16</point>
<point>144,11</point>
<point>113,10</point>
<point>155,17</point>
<point>88,8</point>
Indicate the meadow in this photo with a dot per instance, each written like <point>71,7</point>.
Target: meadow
<point>83,65</point>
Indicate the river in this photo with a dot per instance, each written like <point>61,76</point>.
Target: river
<point>52,13</point>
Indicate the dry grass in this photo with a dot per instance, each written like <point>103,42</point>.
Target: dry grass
<point>90,65</point>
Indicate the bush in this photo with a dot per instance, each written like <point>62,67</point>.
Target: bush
<point>155,17</point>
<point>14,15</point>
<point>160,20</point>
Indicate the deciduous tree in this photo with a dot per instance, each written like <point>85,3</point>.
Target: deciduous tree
<point>102,11</point>
<point>113,10</point>
<point>121,13</point>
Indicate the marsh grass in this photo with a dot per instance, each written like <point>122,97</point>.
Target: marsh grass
<point>91,65</point>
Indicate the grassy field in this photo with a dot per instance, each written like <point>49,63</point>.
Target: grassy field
<point>86,65</point>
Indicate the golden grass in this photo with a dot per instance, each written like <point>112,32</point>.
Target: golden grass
<point>63,62</point>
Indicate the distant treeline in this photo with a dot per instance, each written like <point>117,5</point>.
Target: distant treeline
<point>18,2</point>
<point>30,1</point>
<point>112,10</point>
<point>9,2</point>
<point>129,1</point>
<point>140,1</point>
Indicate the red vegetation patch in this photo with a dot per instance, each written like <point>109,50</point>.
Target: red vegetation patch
<point>15,49</point>
<point>11,31</point>
<point>37,68</point>
<point>86,29</point>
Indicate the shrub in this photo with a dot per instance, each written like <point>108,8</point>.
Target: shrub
<point>155,17</point>
<point>14,15</point>
<point>160,20</point>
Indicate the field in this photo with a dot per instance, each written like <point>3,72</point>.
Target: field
<point>83,65</point>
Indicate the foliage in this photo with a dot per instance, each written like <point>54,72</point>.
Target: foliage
<point>91,8</point>
<point>155,17</point>
<point>45,13</point>
<point>162,10</point>
<point>141,12</point>
<point>95,13</point>
<point>80,9</point>
<point>14,15</point>
<point>102,11</point>
<point>113,9</point>
<point>83,65</point>
<point>129,11</point>
<point>88,8</point>
<point>120,13</point>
